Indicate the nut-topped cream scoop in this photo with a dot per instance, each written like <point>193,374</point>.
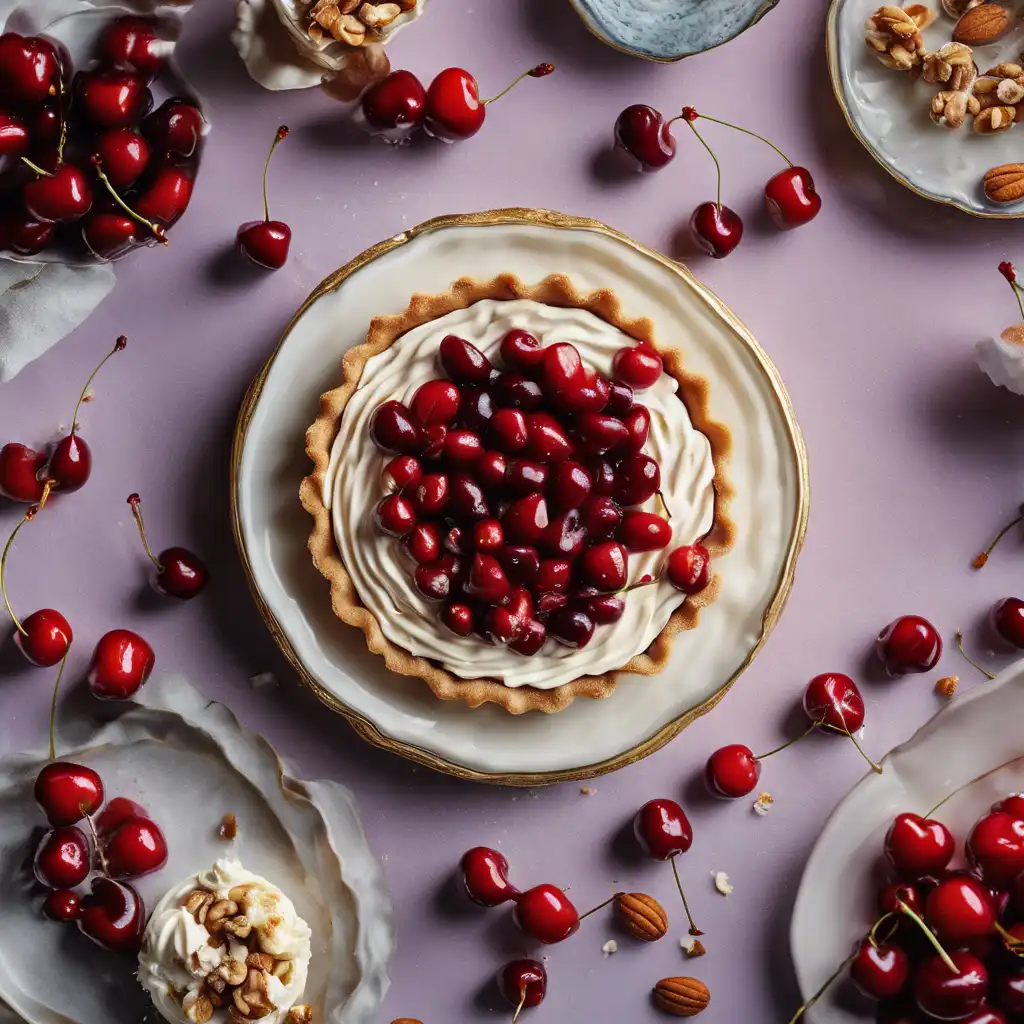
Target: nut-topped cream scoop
<point>226,945</point>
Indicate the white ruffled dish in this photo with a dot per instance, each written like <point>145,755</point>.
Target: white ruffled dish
<point>889,113</point>
<point>189,762</point>
<point>767,469</point>
<point>976,734</point>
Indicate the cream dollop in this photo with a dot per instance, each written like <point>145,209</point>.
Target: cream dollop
<point>176,955</point>
<point>381,568</point>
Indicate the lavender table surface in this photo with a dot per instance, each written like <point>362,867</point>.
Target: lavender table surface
<point>869,313</point>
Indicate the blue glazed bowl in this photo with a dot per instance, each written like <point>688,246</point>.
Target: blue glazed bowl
<point>668,30</point>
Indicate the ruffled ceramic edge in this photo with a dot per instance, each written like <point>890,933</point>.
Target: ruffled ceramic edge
<point>555,290</point>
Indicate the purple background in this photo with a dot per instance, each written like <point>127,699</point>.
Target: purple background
<point>870,314</point>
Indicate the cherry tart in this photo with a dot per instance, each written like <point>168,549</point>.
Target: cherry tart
<point>525,493</point>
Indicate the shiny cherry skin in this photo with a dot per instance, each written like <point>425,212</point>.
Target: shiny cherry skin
<point>132,44</point>
<point>834,700</point>
<point>523,983</point>
<point>1008,621</point>
<point>453,110</point>
<point>644,531</point>
<point>534,634</point>
<point>182,574</point>
<point>916,846</point>
<point>639,366</point>
<point>995,848</point>
<point>265,242</point>
<point>458,617</point>
<point>662,829</point>
<point>395,516</point>
<point>62,859</point>
<point>1012,805</point>
<point>111,98</point>
<point>70,464</point>
<point>546,914</point>
<point>1007,992</point>
<point>638,478</point>
<point>732,771</point>
<point>120,665</point>
<point>487,580</point>
<point>571,627</point>
<point>605,566</point>
<point>62,905</point>
<point>600,516</point>
<point>986,1014</point>
<point>881,971</point>
<point>113,915</point>
<point>392,428</point>
<point>176,126</point>
<point>435,403</point>
<point>909,644</point>
<point>166,196</point>
<point>891,895</point>
<point>791,197</point>
<point>521,350</point>
<point>395,103</point>
<point>959,910</point>
<point>20,471</point>
<point>61,195</point>
<point>124,155</point>
<point>117,812</point>
<point>46,638</point>
<point>403,472</point>
<point>29,69</point>
<point>66,792</point>
<point>485,877</point>
<point>646,136</point>
<point>463,362</point>
<point>110,235</point>
<point>14,137</point>
<point>949,996</point>
<point>716,229</point>
<point>135,847</point>
<point>24,234</point>
<point>689,568</point>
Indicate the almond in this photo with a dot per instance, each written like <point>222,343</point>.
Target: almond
<point>1005,183</point>
<point>681,997</point>
<point>982,24</point>
<point>641,915</point>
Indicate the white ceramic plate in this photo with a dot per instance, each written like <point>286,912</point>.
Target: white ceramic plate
<point>968,739</point>
<point>767,469</point>
<point>889,113</point>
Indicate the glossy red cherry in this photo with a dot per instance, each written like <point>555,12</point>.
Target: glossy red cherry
<point>395,105</point>
<point>490,469</point>
<point>117,812</point>
<point>14,137</point>
<point>462,447</point>
<point>266,242</point>
<point>44,126</point>
<point>523,983</point>
<point>600,433</point>
<point>395,515</point>
<point>62,905</point>
<point>562,372</point>
<point>639,366</point>
<point>1012,805</point>
<point>881,971</point>
<point>485,877</point>
<point>689,568</point>
<point>133,44</point>
<point>553,574</point>
<point>26,235</point>
<point>113,915</point>
<point>531,640</point>
<point>834,700</point>
<point>716,229</point>
<point>909,644</point>
<point>620,399</point>
<point>508,430</point>
<point>424,543</point>
<point>402,472</point>
<point>890,897</point>
<point>605,566</point>
<point>458,618</point>
<point>525,520</point>
<point>959,910</point>
<point>120,665</point>
<point>464,362</point>
<point>488,535</point>
<point>547,441</point>
<point>732,771</point>
<point>662,829</point>
<point>58,195</point>
<point>430,495</point>
<point>166,196</point>
<point>62,859</point>
<point>29,69</point>
<point>434,440</point>
<point>176,126</point>
<point>564,537</point>
<point>644,531</point>
<point>1007,620</point>
<point>546,914</point>
<point>522,476</point>
<point>507,622</point>
<point>110,235</point>
<point>487,580</point>
<point>466,501</point>
<point>513,391</point>
<point>66,792</point>
<point>569,486</point>
<point>605,609</point>
<point>600,516</point>
<point>521,350</point>
<point>70,464</point>
<point>178,572</point>
<point>520,562</point>
<point>791,197</point>
<point>996,848</point>
<point>124,154</point>
<point>644,133</point>
<point>950,996</point>
<point>638,479</point>
<point>571,627</point>
<point>392,428</point>
<point>917,846</point>
<point>135,847</point>
<point>986,1014</point>
<point>46,638</point>
<point>638,429</point>
<point>435,402</point>
<point>111,98</point>
<point>434,582</point>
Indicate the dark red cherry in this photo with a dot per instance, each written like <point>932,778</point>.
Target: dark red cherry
<point>526,520</point>
<point>600,433</point>
<point>550,601</point>
<point>490,469</point>
<point>1007,992</point>
<point>430,495</point>
<point>553,574</point>
<point>116,813</point>
<point>526,477</point>
<point>485,877</point>
<point>512,391</point>
<point>569,486</point>
<point>834,700</point>
<point>605,566</point>
<point>1008,621</point>
<point>424,543</point>
<point>592,395</point>
<point>564,536</point>
<point>44,127</point>
<point>20,469</point>
<point>531,640</point>
<point>176,126</point>
<point>111,98</point>
<point>1012,805</point>
<point>454,110</point>
<point>644,531</point>
<point>716,229</point>
<point>645,135</point>
<point>620,398</point>
<point>909,644</point>
<point>946,995</point>
<point>120,665</point>
<point>458,618</point>
<point>547,441</point>
<point>124,155</point>
<point>62,859</point>
<point>70,464</point>
<point>25,235</point>
<point>265,242</point>
<point>507,622</point>
<point>689,568</point>
<point>434,439</point>
<point>434,582</point>
<point>523,983</point>
<point>662,829</point>
<point>638,479</point>
<point>66,792</point>
<point>605,479</point>
<point>113,915</point>
<point>14,137</point>
<point>402,472</point>
<point>600,516</point>
<point>487,580</point>
<point>508,430</point>
<point>571,627</point>
<point>110,235</point>
<point>462,447</point>
<point>394,515</point>
<point>46,639</point>
<point>134,848</point>
<point>562,372</point>
<point>392,428</point>
<point>995,848</point>
<point>639,366</point>
<point>29,69</point>
<point>546,914</point>
<point>791,197</point>
<point>521,350</point>
<point>463,361</point>
<point>62,905</point>
<point>396,103</point>
<point>638,427</point>
<point>732,771</point>
<point>181,574</point>
<point>476,409</point>
<point>890,896</point>
<point>959,910</point>
<point>60,195</point>
<point>134,45</point>
<point>488,535</point>
<point>520,562</point>
<point>917,846</point>
<point>435,403</point>
<point>880,971</point>
<point>605,609</point>
<point>166,195</point>
<point>466,500</point>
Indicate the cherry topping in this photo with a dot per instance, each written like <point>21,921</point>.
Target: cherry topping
<point>424,543</point>
<point>644,133</point>
<point>605,566</point>
<point>133,44</point>
<point>909,644</point>
<point>520,562</point>
<point>124,154</point>
<point>521,350</point>
<point>14,136</point>
<point>547,441</point>
<point>791,197</point>
<point>620,398</point>
<point>639,366</point>
<point>67,792</point>
<point>564,536</point>
<point>44,638</point>
<point>458,618</point>
<point>570,485</point>
<point>732,771</point>
<point>111,98</point>
<point>600,516</point>
<point>553,574</point>
<point>546,914</point>
<point>531,640</point>
<point>512,391</point>
<point>716,229</point>
<point>434,582</point>
<point>507,623</point>
<point>525,477</point>
<point>120,665</point>
<point>62,859</point>
<point>1007,620</point>
<point>134,848</point>
<point>488,535</point>
<point>524,984</point>
<point>526,520</point>
<point>395,515</point>
<point>403,472</point>
<point>466,499</point>
<point>880,971</point>
<point>487,580</point>
<point>485,877</point>
<point>601,433</point>
<point>637,480</point>
<point>917,846</point>
<point>508,428</point>
<point>462,447</point>
<point>644,531</point>
<point>464,362</point>
<point>396,103</point>
<point>113,915</point>
<point>178,572</point>
<point>689,568</point>
<point>435,403</point>
<point>61,905</point>
<point>950,996</point>
<point>490,469</point>
<point>430,494</point>
<point>572,628</point>
<point>392,428</point>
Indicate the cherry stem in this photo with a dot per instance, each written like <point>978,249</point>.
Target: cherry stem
<point>876,768</point>
<point>873,934</point>
<point>136,505</point>
<point>600,906</point>
<point>119,345</point>
<point>158,232</point>
<point>522,1003</point>
<point>664,505</point>
<point>60,110</point>
<point>1011,941</point>
<point>1013,284</point>
<point>694,930</point>
<point>718,166</point>
<point>282,134</point>
<point>929,935</point>
<point>540,71</point>
<point>968,658</point>
<point>982,558</point>
<point>29,515</point>
<point>971,782</point>
<point>747,131</point>
<point>36,168</point>
<point>821,991</point>
<point>53,702</point>
<point>99,846</point>
<point>789,743</point>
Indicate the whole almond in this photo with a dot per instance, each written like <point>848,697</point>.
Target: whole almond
<point>982,24</point>
<point>641,915</point>
<point>1005,184</point>
<point>681,997</point>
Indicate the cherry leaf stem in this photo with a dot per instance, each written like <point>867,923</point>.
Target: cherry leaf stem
<point>104,867</point>
<point>282,134</point>
<point>3,568</point>
<point>53,702</point>
<point>968,658</point>
<point>538,72</point>
<point>970,782</point>
<point>824,988</point>
<point>36,168</point>
<point>795,739</point>
<point>158,232</point>
<point>119,345</point>
<point>873,934</point>
<point>1012,943</point>
<point>136,506</point>
<point>664,505</point>
<point>694,930</point>
<point>718,166</point>
<point>600,906</point>
<point>522,1003</point>
<point>982,558</point>
<point>875,767</point>
<point>747,131</point>
<point>929,935</point>
<point>1013,284</point>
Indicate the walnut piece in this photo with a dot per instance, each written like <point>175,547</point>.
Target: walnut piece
<point>946,686</point>
<point>894,34</point>
<point>950,109</point>
<point>326,18</point>
<point>218,913</point>
<point>301,1014</point>
<point>993,120</point>
<point>952,66</point>
<point>378,16</point>
<point>234,972</point>
<point>197,1007</point>
<point>197,902</point>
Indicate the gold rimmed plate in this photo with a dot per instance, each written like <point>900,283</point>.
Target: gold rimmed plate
<point>768,468</point>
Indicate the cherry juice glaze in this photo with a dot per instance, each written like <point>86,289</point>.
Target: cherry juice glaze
<point>377,564</point>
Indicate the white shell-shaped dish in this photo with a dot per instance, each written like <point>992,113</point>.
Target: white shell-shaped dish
<point>976,737</point>
<point>188,761</point>
<point>767,469</point>
<point>889,113</point>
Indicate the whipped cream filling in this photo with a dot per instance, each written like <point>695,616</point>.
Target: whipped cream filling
<point>381,568</point>
<point>177,956</point>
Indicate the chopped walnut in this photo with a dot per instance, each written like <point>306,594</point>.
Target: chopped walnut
<point>234,972</point>
<point>993,120</point>
<point>950,109</point>
<point>378,16</point>
<point>301,1014</point>
<point>197,903</point>
<point>946,686</point>
<point>326,18</point>
<point>951,65</point>
<point>894,34</point>
<point>197,1007</point>
<point>692,946</point>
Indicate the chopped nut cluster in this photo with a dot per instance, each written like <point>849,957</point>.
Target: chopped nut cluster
<point>950,109</point>
<point>951,66</point>
<point>354,22</point>
<point>894,34</point>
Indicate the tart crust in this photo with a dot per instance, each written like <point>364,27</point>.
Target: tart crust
<point>556,290</point>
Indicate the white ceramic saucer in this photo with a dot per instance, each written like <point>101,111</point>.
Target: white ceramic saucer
<point>767,468</point>
<point>976,735</point>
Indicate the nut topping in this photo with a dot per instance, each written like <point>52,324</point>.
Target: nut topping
<point>197,903</point>
<point>354,22</point>
<point>895,35</point>
<point>218,912</point>
<point>681,997</point>
<point>301,1014</point>
<point>234,972</point>
<point>994,119</point>
<point>1005,183</point>
<point>950,109</point>
<point>952,66</point>
<point>238,926</point>
<point>982,24</point>
<point>261,962</point>
<point>641,915</point>
<point>197,1007</point>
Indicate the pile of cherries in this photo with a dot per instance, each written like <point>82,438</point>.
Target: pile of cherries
<point>125,843</point>
<point>949,943</point>
<point>450,109</point>
<point>87,169</point>
<point>516,491</point>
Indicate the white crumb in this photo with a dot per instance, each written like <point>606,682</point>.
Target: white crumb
<point>722,883</point>
<point>262,680</point>
<point>587,790</point>
<point>763,804</point>
<point>610,947</point>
